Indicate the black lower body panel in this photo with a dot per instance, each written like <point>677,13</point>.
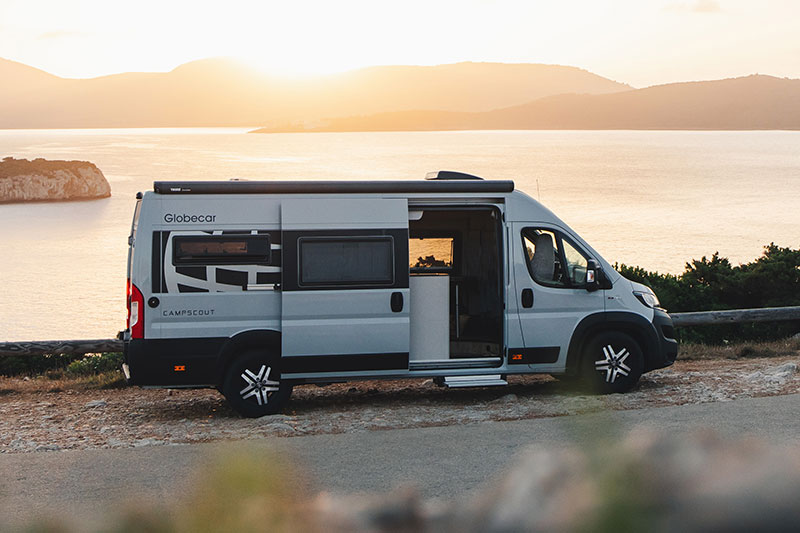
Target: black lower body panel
<point>190,362</point>
<point>667,344</point>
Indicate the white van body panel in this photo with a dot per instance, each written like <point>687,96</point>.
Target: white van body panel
<point>196,314</point>
<point>319,320</point>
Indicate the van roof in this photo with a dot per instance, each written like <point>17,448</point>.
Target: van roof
<point>328,187</point>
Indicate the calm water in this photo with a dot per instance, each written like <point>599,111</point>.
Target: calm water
<point>654,199</point>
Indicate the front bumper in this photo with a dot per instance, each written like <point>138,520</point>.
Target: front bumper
<point>667,343</point>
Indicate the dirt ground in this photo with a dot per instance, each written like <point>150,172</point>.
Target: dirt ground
<point>37,419</point>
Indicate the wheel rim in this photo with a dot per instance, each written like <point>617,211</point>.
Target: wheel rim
<point>258,385</point>
<point>613,363</point>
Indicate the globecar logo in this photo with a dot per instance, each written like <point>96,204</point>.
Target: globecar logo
<point>187,219</point>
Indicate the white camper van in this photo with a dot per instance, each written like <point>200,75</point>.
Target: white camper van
<point>254,287</point>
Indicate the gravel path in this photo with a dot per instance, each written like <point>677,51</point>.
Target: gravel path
<point>34,419</point>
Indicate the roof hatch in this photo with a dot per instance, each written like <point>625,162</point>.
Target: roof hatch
<point>450,175</point>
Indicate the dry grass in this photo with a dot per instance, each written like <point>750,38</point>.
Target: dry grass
<point>746,350</point>
<point>59,381</point>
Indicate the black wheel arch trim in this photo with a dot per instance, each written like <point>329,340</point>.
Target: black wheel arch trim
<point>254,339</point>
<point>641,329</point>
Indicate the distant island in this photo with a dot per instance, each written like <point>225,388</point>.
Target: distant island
<point>42,180</point>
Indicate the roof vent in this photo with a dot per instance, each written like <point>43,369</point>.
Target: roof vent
<point>450,175</point>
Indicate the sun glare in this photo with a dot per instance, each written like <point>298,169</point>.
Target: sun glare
<point>298,65</point>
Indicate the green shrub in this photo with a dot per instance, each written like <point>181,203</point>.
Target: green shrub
<point>94,364</point>
<point>69,364</point>
<point>34,365</point>
<point>772,280</point>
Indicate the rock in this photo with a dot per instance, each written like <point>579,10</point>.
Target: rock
<point>643,482</point>
<point>398,511</point>
<point>786,369</point>
<point>281,427</point>
<point>95,404</point>
<point>775,376</point>
<point>26,181</point>
<point>48,448</point>
<point>146,442</point>
<point>508,398</point>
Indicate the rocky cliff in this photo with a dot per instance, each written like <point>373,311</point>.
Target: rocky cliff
<point>29,181</point>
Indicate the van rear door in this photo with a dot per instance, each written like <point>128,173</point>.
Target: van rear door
<point>345,295</point>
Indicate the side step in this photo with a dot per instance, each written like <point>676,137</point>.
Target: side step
<point>491,380</point>
<point>459,364</point>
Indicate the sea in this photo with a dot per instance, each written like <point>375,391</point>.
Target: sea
<point>655,199</point>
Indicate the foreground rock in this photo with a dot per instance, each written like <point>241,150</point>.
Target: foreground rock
<point>641,481</point>
<point>645,482</point>
<point>40,180</point>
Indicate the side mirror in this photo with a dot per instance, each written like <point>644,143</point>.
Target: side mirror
<point>593,275</point>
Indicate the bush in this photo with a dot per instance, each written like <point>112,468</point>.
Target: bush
<point>34,365</point>
<point>772,280</point>
<point>70,364</point>
<point>94,364</point>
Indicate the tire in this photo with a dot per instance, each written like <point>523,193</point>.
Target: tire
<point>611,362</point>
<point>565,378</point>
<point>253,385</point>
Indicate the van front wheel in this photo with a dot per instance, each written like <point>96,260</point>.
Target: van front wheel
<point>612,362</point>
<point>253,385</point>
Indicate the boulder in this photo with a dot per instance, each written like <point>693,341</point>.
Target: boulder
<point>644,481</point>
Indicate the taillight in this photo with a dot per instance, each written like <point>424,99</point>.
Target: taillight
<point>135,311</point>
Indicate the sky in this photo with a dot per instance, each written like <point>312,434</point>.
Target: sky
<point>639,42</point>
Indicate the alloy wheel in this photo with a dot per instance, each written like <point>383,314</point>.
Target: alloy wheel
<point>259,385</point>
<point>613,363</point>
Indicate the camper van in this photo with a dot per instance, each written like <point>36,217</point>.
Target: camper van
<point>253,287</point>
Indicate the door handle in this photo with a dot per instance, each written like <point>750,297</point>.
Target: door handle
<point>397,302</point>
<point>527,298</point>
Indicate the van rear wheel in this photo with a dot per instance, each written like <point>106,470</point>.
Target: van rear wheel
<point>253,385</point>
<point>612,362</point>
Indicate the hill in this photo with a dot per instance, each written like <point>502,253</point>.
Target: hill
<point>222,92</point>
<point>751,102</point>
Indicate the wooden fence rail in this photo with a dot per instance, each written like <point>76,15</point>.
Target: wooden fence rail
<point>732,316</point>
<point>60,347</point>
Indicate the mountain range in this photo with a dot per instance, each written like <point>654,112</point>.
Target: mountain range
<point>223,92</point>
<point>755,102</point>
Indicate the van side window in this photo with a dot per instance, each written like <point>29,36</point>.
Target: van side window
<point>221,250</point>
<point>430,254</point>
<point>346,261</point>
<point>552,260</point>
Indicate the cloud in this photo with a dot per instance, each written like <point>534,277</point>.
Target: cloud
<point>59,35</point>
<point>706,6</point>
<point>698,6</point>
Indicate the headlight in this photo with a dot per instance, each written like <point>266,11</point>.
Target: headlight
<point>647,298</point>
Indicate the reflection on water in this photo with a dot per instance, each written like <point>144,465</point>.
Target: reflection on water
<point>654,199</point>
